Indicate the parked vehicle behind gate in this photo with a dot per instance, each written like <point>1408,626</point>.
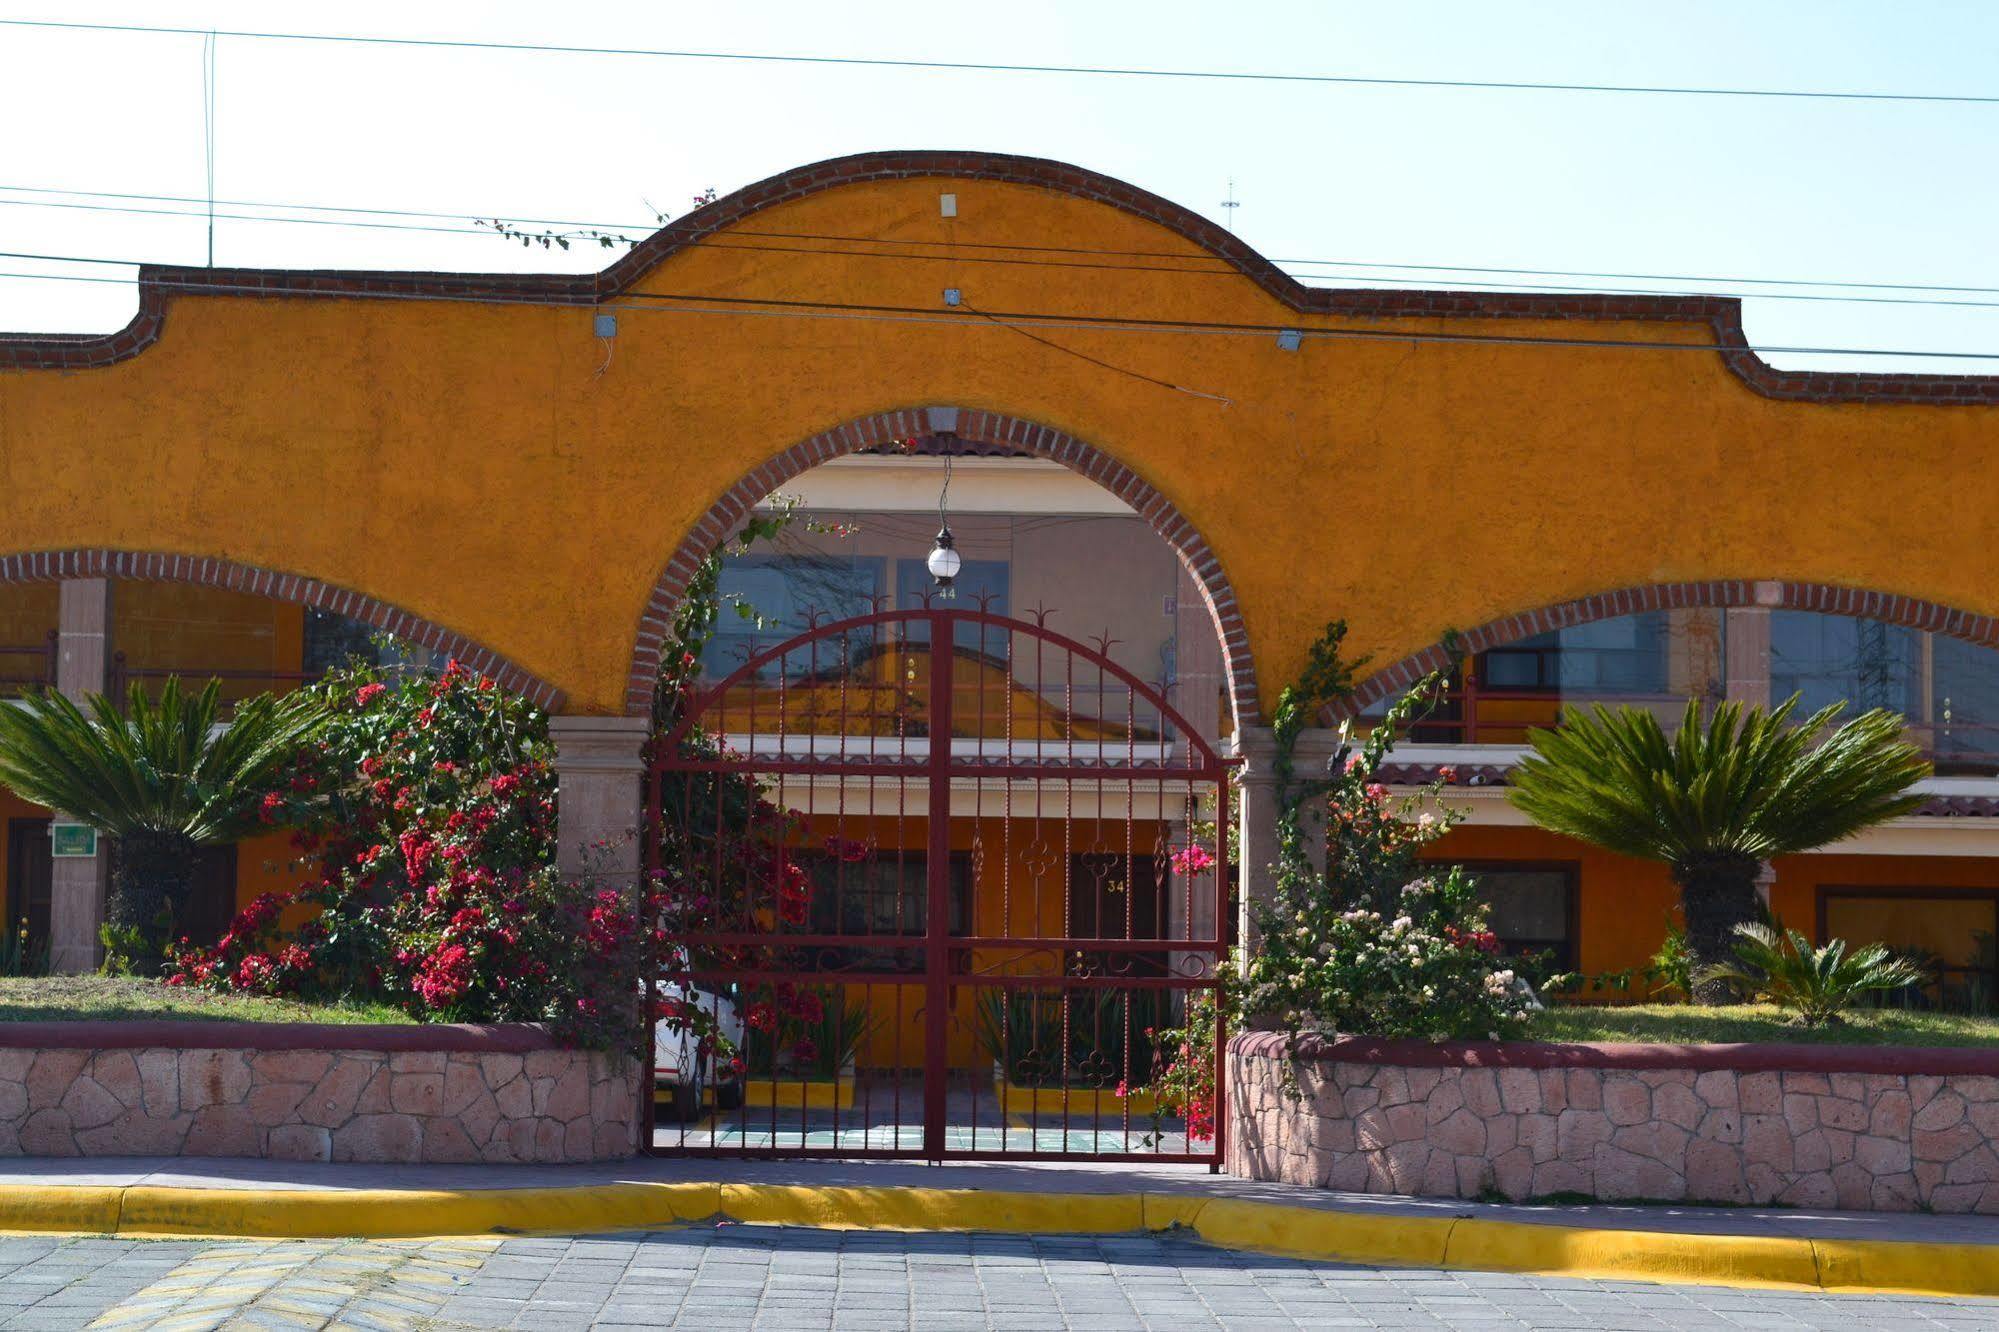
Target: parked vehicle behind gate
<point>682,1071</point>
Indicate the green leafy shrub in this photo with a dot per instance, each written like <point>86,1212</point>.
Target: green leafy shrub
<point>1815,983</point>
<point>1380,944</point>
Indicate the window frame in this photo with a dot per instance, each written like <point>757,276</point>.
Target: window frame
<point>1568,956</point>
<point>1826,892</point>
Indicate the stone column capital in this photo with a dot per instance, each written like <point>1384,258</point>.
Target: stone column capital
<point>599,744</point>
<point>1313,754</point>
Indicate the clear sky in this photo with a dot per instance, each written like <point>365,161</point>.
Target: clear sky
<point>1710,187</point>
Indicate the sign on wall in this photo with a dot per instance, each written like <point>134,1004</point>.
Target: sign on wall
<point>72,840</point>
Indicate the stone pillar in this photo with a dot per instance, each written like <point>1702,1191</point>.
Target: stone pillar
<point>1746,646</point>
<point>599,782</point>
<point>1257,818</point>
<point>83,665</point>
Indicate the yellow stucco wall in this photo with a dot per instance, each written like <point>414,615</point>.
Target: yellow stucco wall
<point>484,467</point>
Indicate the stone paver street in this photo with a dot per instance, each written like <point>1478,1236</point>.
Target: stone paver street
<point>718,1278</point>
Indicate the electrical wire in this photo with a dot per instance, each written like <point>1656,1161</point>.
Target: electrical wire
<point>771,307</point>
<point>994,67</point>
<point>667,227</point>
<point>1228,269</point>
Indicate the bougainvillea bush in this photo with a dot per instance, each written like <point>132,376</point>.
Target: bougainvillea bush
<point>425,823</point>
<point>1379,943</point>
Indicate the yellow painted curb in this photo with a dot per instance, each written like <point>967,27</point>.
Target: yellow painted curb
<point>1310,1232</point>
<point>1773,1261</point>
<point>388,1213</point>
<point>1857,1266</point>
<point>869,1208</point>
<point>1788,1262</point>
<point>79,1209</point>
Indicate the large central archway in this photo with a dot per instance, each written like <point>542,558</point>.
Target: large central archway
<point>974,426</point>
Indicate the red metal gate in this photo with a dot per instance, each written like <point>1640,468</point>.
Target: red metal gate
<point>942,901</point>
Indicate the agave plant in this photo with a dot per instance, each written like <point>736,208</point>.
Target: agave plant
<point>162,779</point>
<point>1817,984</point>
<point>1723,795</point>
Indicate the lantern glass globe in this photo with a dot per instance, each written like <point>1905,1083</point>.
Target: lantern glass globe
<point>944,562</point>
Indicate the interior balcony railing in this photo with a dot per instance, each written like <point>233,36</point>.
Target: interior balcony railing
<point>237,683</point>
<point>28,666</point>
<point>1477,714</point>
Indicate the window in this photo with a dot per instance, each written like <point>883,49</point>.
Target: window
<point>1953,931</point>
<point>1834,658</point>
<point>1625,654</point>
<point>333,641</point>
<point>976,579</point>
<point>1965,699</point>
<point>886,895</point>
<point>783,590</point>
<point>1533,907</point>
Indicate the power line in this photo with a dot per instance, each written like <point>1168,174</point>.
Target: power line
<point>652,302</point>
<point>989,67</point>
<point>953,244</point>
<point>1361,269</point>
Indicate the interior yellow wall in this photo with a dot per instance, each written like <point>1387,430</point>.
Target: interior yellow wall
<point>526,492</point>
<point>197,631</point>
<point>27,618</point>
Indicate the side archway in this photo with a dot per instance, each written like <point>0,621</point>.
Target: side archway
<point>1889,607</point>
<point>229,575</point>
<point>973,426</point>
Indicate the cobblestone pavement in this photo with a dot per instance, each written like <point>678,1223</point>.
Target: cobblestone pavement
<point>742,1277</point>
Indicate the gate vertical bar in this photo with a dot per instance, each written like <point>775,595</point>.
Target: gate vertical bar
<point>937,871</point>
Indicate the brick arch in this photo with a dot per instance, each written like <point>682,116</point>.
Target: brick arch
<point>229,575</point>
<point>1909,612</point>
<point>978,427</point>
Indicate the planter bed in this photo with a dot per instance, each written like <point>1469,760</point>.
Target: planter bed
<point>1054,1102</point>
<point>797,1094</point>
<point>1877,1127</point>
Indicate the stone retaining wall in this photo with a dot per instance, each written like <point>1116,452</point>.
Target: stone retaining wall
<point>304,1092</point>
<point>1872,1128</point>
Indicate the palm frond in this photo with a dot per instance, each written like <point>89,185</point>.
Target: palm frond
<point>1738,781</point>
<point>160,766</point>
<point>1816,983</point>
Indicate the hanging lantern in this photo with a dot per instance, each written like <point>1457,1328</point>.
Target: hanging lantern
<point>944,561</point>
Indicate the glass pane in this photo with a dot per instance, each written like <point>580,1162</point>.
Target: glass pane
<point>783,592</point>
<point>1837,658</point>
<point>1966,695</point>
<point>987,579</point>
<point>1527,904</point>
<point>1946,928</point>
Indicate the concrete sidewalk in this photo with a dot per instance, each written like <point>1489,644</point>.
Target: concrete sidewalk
<point>1746,1247</point>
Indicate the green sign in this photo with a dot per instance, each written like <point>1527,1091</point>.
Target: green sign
<point>72,840</point>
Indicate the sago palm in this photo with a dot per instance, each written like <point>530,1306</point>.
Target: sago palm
<point>1723,795</point>
<point>1815,983</point>
<point>161,779</point>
